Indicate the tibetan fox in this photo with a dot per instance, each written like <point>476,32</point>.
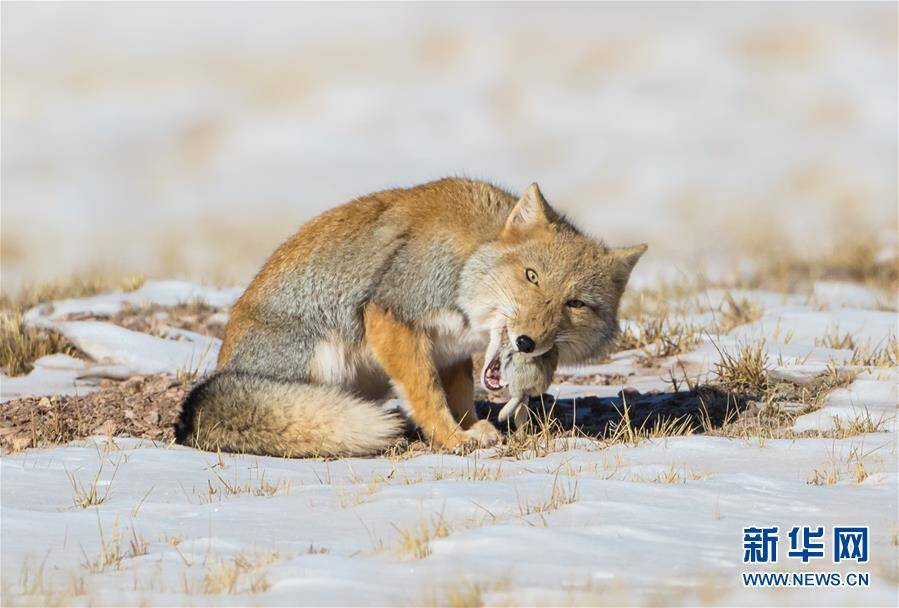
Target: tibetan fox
<point>395,291</point>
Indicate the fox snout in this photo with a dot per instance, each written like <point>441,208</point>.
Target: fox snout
<point>534,331</point>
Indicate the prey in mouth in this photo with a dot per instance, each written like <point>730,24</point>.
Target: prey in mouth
<point>491,376</point>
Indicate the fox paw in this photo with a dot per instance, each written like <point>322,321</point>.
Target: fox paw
<point>482,434</point>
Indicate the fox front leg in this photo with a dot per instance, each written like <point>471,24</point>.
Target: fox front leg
<point>405,355</point>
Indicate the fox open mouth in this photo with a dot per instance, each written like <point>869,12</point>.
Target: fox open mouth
<point>493,380</point>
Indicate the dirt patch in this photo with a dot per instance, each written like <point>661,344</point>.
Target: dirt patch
<point>593,379</point>
<point>143,406</point>
<point>197,317</point>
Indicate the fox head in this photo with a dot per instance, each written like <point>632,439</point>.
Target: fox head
<point>542,283</point>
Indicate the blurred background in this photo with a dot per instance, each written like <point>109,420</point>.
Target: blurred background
<point>187,140</point>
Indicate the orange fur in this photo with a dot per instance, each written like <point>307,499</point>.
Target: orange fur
<point>458,384</point>
<point>404,353</point>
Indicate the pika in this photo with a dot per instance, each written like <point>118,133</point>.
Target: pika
<point>526,376</point>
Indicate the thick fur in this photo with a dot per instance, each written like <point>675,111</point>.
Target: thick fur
<point>243,412</point>
<point>393,292</point>
<point>525,376</point>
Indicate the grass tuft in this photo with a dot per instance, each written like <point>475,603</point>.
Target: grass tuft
<point>883,356</point>
<point>745,372</point>
<point>737,312</point>
<point>415,542</point>
<point>658,336</point>
<point>20,344</point>
<point>238,575</point>
<point>563,492</point>
<point>84,496</point>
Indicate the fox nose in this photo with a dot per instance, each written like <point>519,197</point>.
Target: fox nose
<point>525,344</point>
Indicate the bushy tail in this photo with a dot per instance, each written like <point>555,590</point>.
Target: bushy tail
<point>242,412</point>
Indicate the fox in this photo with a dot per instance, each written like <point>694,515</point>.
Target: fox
<point>391,294</point>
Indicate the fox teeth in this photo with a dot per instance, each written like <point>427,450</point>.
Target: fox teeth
<point>492,375</point>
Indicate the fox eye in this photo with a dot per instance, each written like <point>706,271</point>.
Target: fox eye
<point>531,275</point>
<point>575,304</point>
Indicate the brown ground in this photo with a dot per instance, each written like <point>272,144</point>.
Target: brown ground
<point>146,406</point>
<point>196,317</point>
<point>143,406</point>
<point>593,380</point>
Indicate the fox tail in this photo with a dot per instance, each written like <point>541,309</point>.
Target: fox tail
<point>236,411</point>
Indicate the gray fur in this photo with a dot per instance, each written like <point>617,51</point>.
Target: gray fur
<point>526,376</point>
<point>416,273</point>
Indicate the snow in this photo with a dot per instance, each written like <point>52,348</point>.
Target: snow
<point>871,395</point>
<point>795,336</point>
<point>124,353</point>
<point>118,352</point>
<point>52,375</point>
<point>850,295</point>
<point>623,539</point>
<point>589,523</point>
<point>159,293</point>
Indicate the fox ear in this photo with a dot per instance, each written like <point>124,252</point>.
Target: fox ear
<point>530,210</point>
<point>625,258</point>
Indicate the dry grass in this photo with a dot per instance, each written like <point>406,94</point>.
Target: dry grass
<point>860,425</point>
<point>350,498</point>
<point>415,542</point>
<point>257,485</point>
<point>836,340</point>
<point>658,336</point>
<point>626,431</point>
<point>137,544</point>
<point>734,313</point>
<point>851,468</point>
<point>239,574</point>
<point>543,436</point>
<point>196,316</point>
<point>745,372</point>
<point>472,470</point>
<point>111,552</point>
<point>654,325</point>
<point>652,316</point>
<point>825,477</point>
<point>633,420</point>
<point>885,355</point>
<point>462,593</point>
<point>90,495</point>
<point>671,475</point>
<point>76,287</point>
<point>563,492</point>
<point>21,345</point>
<point>779,425</point>
<point>775,403</point>
<point>852,257</point>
